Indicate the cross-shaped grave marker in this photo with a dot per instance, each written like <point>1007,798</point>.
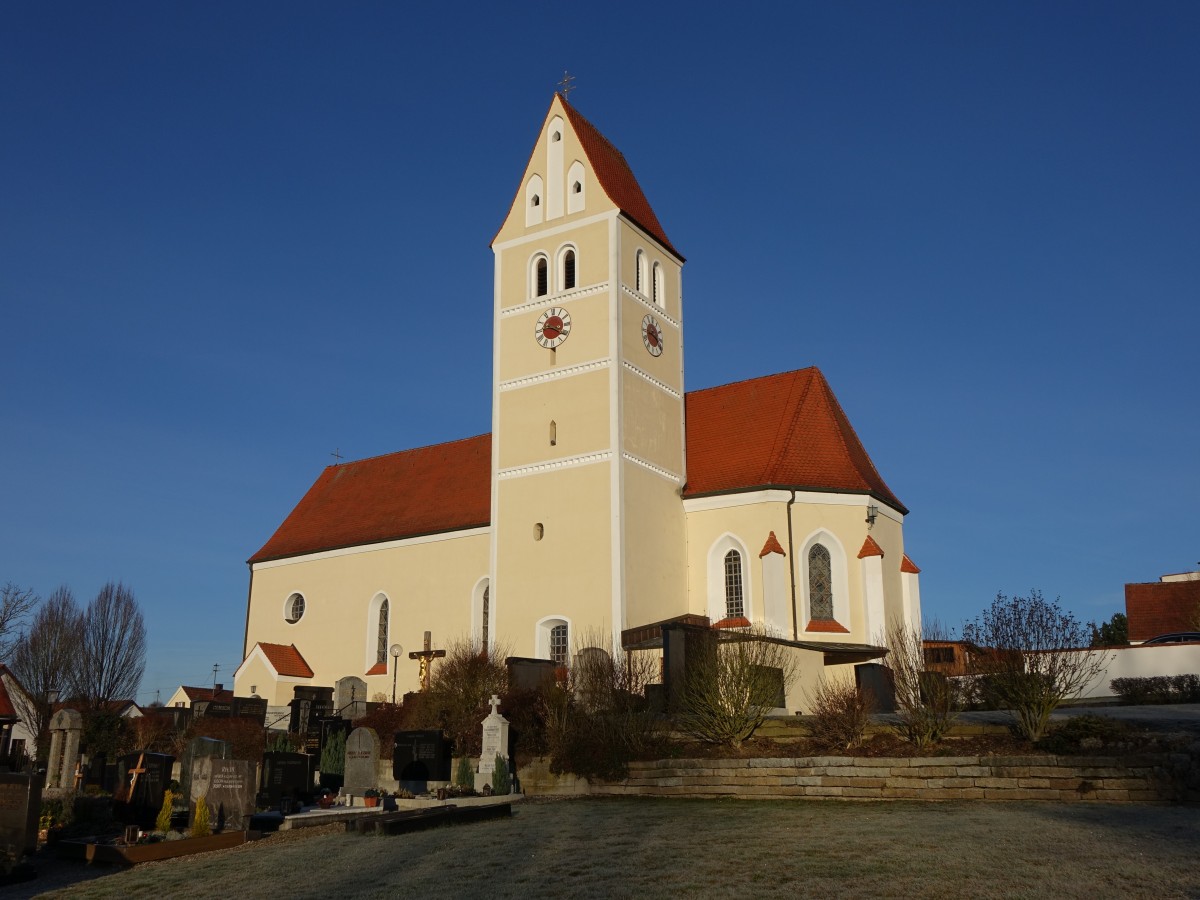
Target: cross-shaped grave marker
<point>139,769</point>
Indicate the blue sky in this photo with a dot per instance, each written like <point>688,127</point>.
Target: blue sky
<point>234,237</point>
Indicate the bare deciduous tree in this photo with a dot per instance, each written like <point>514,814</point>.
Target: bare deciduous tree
<point>1037,660</point>
<point>16,603</point>
<point>733,687</point>
<point>924,699</point>
<point>44,658</point>
<point>112,648</point>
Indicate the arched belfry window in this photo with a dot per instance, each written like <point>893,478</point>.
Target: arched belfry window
<point>820,583</point>
<point>659,288</point>
<point>734,607</point>
<point>639,275</point>
<point>381,649</point>
<point>541,277</point>
<point>568,270</point>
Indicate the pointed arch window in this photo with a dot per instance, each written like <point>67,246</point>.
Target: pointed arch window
<point>820,583</point>
<point>486,618</point>
<point>381,648</point>
<point>734,607</point>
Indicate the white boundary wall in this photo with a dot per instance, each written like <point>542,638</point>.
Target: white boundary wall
<point>1143,661</point>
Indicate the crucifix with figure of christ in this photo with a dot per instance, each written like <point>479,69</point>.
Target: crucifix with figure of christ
<point>426,656</point>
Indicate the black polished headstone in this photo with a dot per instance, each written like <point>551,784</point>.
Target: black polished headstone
<point>250,708</point>
<point>875,680</point>
<point>286,775</point>
<point>526,674</point>
<point>419,757</point>
<point>138,801</point>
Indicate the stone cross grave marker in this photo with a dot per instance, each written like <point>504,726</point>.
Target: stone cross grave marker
<point>362,761</point>
<point>495,739</point>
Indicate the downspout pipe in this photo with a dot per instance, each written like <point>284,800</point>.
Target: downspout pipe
<point>792,569</point>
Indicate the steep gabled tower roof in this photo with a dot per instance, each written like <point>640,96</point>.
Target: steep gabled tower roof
<point>612,172</point>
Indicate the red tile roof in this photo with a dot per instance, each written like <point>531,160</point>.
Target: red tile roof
<point>7,709</point>
<point>733,622</point>
<point>378,669</point>
<point>1161,607</point>
<point>827,626</point>
<point>870,548</point>
<point>771,546</point>
<point>615,177</point>
<point>286,660</point>
<point>782,431</point>
<point>444,487</point>
<point>205,693</point>
<point>907,565</point>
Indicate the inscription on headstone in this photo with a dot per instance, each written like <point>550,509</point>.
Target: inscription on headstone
<point>350,697</point>
<point>420,756</point>
<point>228,787</point>
<point>286,775</point>
<point>198,748</point>
<point>362,760</point>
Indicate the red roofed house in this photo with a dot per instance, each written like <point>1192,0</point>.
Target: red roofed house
<point>606,498</point>
<point>16,737</point>
<point>1171,604</point>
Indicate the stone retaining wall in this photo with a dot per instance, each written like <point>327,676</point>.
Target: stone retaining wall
<point>1057,778</point>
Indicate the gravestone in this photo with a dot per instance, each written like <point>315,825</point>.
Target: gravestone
<point>66,726</point>
<point>419,757</point>
<point>199,748</point>
<point>495,739</point>
<point>227,785</point>
<point>526,674</point>
<point>20,807</point>
<point>217,709</point>
<point>685,646</point>
<point>876,681</point>
<point>250,708</point>
<point>362,761</point>
<point>286,775</point>
<point>350,697</point>
<point>141,779</point>
<point>309,706</point>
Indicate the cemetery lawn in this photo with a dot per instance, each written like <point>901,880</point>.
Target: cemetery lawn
<point>664,848</point>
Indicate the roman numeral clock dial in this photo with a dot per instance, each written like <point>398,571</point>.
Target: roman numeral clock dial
<point>652,335</point>
<point>553,327</point>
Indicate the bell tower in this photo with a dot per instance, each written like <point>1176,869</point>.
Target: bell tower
<point>588,458</point>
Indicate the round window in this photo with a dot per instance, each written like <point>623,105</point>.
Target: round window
<point>294,608</point>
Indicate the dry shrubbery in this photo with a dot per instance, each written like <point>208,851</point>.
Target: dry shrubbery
<point>600,720</point>
<point>459,690</point>
<point>925,700</point>
<point>733,684</point>
<point>840,713</point>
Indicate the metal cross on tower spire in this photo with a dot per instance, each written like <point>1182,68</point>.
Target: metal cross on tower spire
<point>565,86</point>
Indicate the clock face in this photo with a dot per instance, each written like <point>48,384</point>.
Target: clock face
<point>553,326</point>
<point>652,336</point>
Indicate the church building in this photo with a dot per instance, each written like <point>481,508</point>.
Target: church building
<point>607,499</point>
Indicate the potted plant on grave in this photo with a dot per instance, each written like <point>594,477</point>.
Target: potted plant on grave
<point>325,798</point>
<point>370,797</point>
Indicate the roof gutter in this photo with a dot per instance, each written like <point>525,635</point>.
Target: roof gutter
<point>792,569</point>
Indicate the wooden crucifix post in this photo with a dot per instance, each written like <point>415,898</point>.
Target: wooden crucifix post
<point>139,769</point>
<point>426,656</point>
